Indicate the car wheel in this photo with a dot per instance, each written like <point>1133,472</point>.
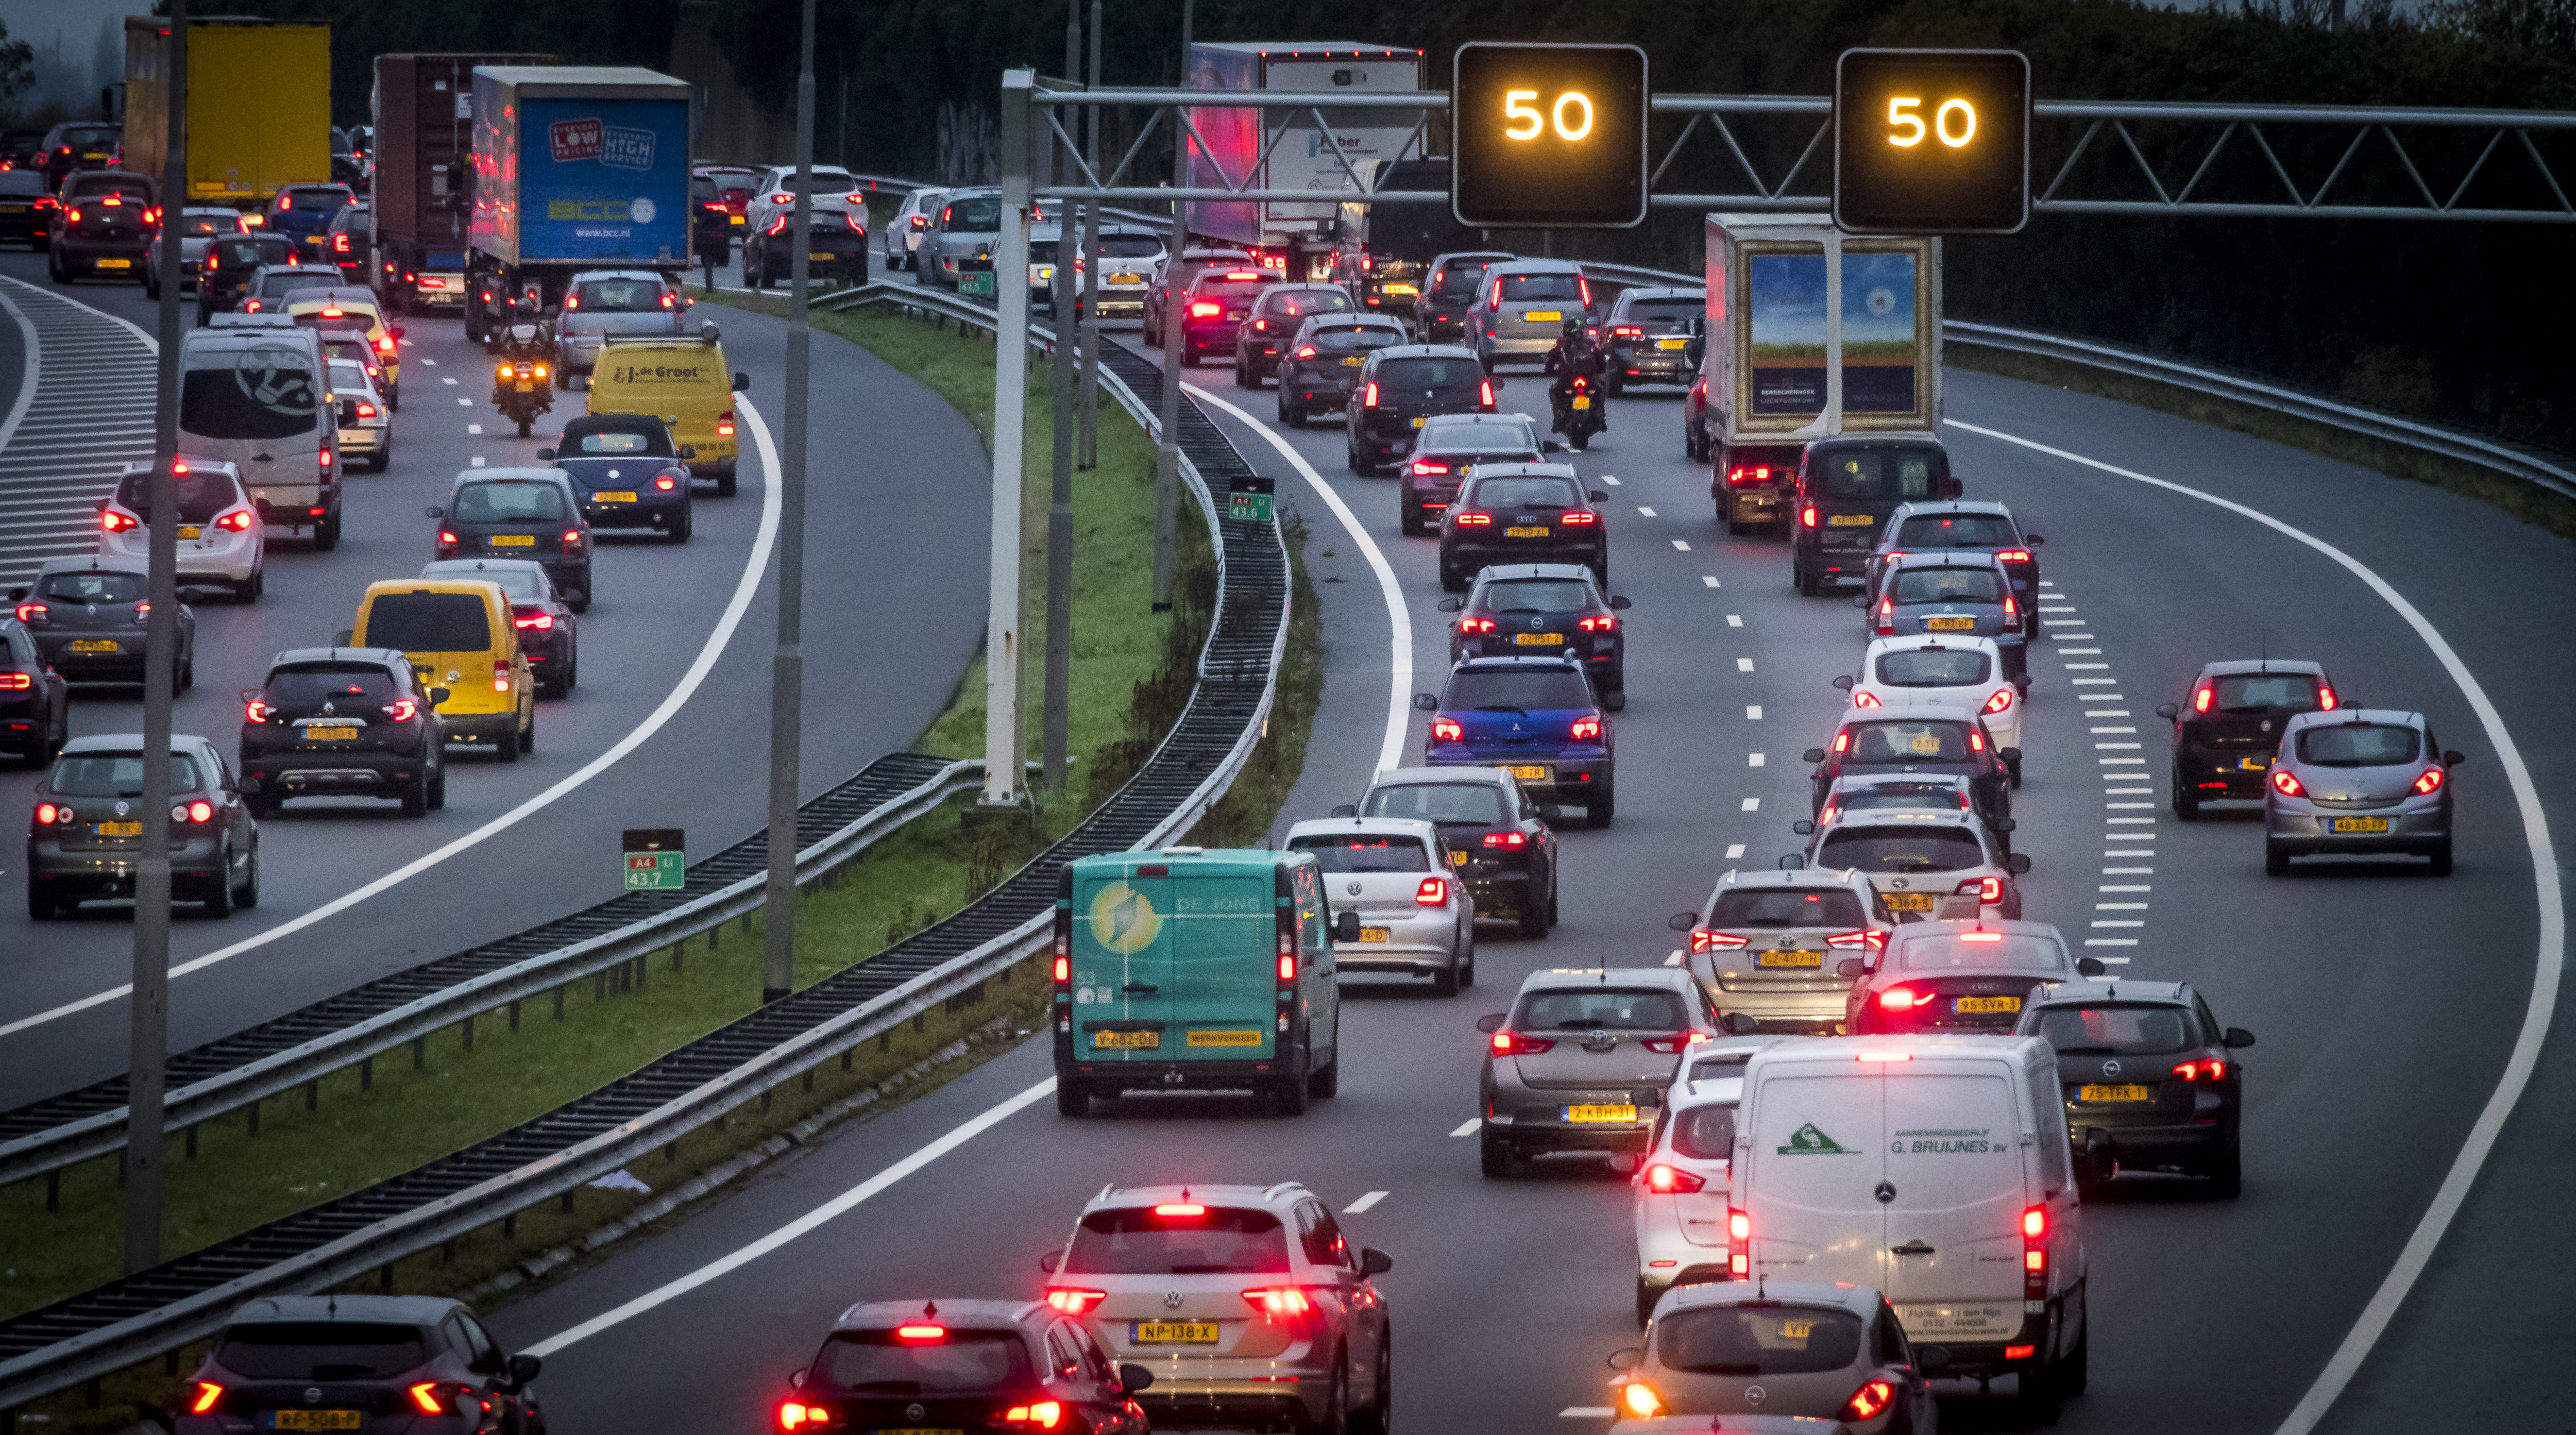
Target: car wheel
<point>438,786</point>
<point>1534,921</point>
<point>528,734</point>
<point>40,908</point>
<point>219,899</point>
<point>1072,1098</point>
<point>2186,803</point>
<point>383,460</point>
<point>2226,1181</point>
<point>1444,982</point>
<point>1379,1417</point>
<point>188,669</point>
<point>1294,415</point>
<point>1467,959</point>
<point>326,534</point>
<point>1327,1083</point>
<point>508,747</point>
<point>246,896</point>
<point>1288,1096</point>
<point>1613,385</point>
<point>1596,814</point>
<point>1408,517</point>
<point>1242,375</point>
<point>679,532</point>
<point>415,799</point>
<point>2013,766</point>
<point>1616,700</point>
<point>1336,1419</point>
<point>1806,583</point>
<point>523,427</point>
<point>1494,1155</point>
<point>1551,903</point>
<point>2276,861</point>
<point>1647,1295</point>
<point>2036,1401</point>
<point>247,590</point>
<point>725,484</point>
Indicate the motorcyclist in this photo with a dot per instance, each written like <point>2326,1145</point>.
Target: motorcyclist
<point>526,339</point>
<point>1577,351</point>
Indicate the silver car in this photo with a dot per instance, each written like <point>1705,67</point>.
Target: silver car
<point>1767,945</point>
<point>1956,594</point>
<point>198,227</point>
<point>602,304</point>
<point>1130,256</point>
<point>1827,1352</point>
<point>1924,864</point>
<point>910,226</point>
<point>1396,906</point>
<point>776,190</point>
<point>366,423</point>
<point>2360,781</point>
<point>1582,1060</point>
<point>1521,308</point>
<point>969,223</point>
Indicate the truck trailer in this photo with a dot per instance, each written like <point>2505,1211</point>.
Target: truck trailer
<point>423,108</point>
<point>1281,148</point>
<point>238,154</point>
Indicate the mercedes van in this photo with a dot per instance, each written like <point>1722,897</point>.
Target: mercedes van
<point>259,398</point>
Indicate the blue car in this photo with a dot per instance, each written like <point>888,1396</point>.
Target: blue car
<point>627,472</point>
<point>1536,718</point>
<point>303,213</point>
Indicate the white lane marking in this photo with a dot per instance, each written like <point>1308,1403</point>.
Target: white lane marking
<point>2117,746</point>
<point>474,428</point>
<point>2549,961</point>
<point>1586,1412</point>
<point>433,363</point>
<point>1753,804</point>
<point>1682,544</point>
<point>476,460</point>
<point>1753,712</point>
<point>744,590</point>
<point>1644,512</point>
<point>27,377</point>
<point>2121,906</point>
<point>1466,1127</point>
<point>802,1225</point>
<point>2110,961</point>
<point>1744,665</point>
<point>463,402</point>
<point>1363,1203</point>
<point>1708,580</point>
<point>2085,667</point>
<point>1753,759</point>
<point>2132,887</point>
<point>1673,958</point>
<point>2120,806</point>
<point>2124,791</point>
<point>2116,821</point>
<point>2107,712</point>
<point>2094,682</point>
<point>2046,609</point>
<point>1605,478</point>
<point>1735,620</point>
<point>445,380</point>
<point>1399,692</point>
<point>1734,850</point>
<point>2073,652</point>
<point>2115,728</point>
<point>2121,761</point>
<point>2127,872</point>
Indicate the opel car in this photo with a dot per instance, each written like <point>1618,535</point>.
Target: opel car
<point>1515,608</point>
<point>89,615</point>
<point>1018,1365</point>
<point>222,543</point>
<point>2152,1080</point>
<point>423,1364</point>
<point>1321,362</point>
<point>1498,842</point>
<point>1536,718</point>
<point>1827,1356</point>
<point>2223,743</point>
<point>1582,1061</point>
<point>2358,782</point>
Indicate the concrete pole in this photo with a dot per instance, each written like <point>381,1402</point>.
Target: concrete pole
<point>787,667</point>
<point>1004,749</point>
<point>1054,721</point>
<point>1167,459</point>
<point>1087,450</point>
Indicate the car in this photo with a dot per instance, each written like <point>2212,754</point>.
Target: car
<point>254,392</point>
<point>85,838</point>
<point>909,227</point>
<point>519,513</point>
<point>231,262</point>
<point>1304,1344</point>
<point>971,1364</point>
<point>87,615</point>
<point>1924,863</point>
<point>1873,790</point>
<point>2358,782</point>
<point>102,226</point>
<point>1920,735</point>
<point>836,241</point>
<point>1678,1201</point>
<point>1968,670</point>
<point>1446,452</point>
<point>1521,307</point>
<point>1522,513</point>
<point>1845,490</point>
<point>627,473</point>
<point>1649,334</point>
<point>343,722</point>
<point>369,1353</point>
<point>35,699</point>
<point>22,150</point>
<point>1215,305</point>
<point>2152,1080</point>
<point>1974,525</point>
<point>1832,1352</point>
<point>1396,907</point>
<point>352,307</point>
<point>2223,743</point>
<point>271,285</point>
<point>303,211</point>
<point>1321,362</point>
<point>27,208</point>
<point>775,190</point>
<point>1400,388</point>
<point>549,637</point>
<point>365,417</point>
<point>1552,607</point>
<point>1953,594</point>
<point>222,542</point>
<point>1169,280</point>
<point>1499,844</point>
<point>687,384</point>
<point>718,198</point>
<point>1769,945</point>
<point>624,303</point>
<point>197,228</point>
<point>1582,1060</point>
<point>351,346</point>
<point>1129,257</point>
<point>73,146</point>
<point>1538,718</point>
<point>1278,314</point>
<point>346,243</point>
<point>961,241</point>
<point>1968,977</point>
<point>1448,289</point>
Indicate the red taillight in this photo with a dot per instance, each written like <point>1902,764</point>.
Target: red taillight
<point>1869,1400</point>
<point>1807,515</point>
<point>1850,941</point>
<point>1180,1210</point>
<point>2014,555</point>
<point>255,710</point>
<point>240,519</point>
<point>1202,309</point>
<point>795,1415</point>
<point>1842,741</point>
<point>424,1398</point>
<point>1044,1414</point>
<point>2002,699</point>
<point>724,424</point>
<point>402,709</point>
<point>1434,892</point>
<point>1486,391</point>
<point>2200,700</point>
<point>1980,935</point>
<point>207,1394</point>
<point>115,522</point>
<point>1447,730</point>
<point>501,682</point>
<point>385,345</point>
<point>47,814</point>
<point>921,221</point>
<point>2020,1352</point>
<point>1368,396</point>
<point>2430,782</point>
<point>1602,624</point>
<point>572,537</point>
<point>1475,625</point>
<point>1628,331</point>
<point>1864,699</point>
<point>1704,940</point>
<point>446,539</point>
<point>1886,616</point>
<point>1475,520</point>
<point>2011,609</point>
<point>16,682</point>
<point>1276,1301</point>
<point>782,199</point>
<point>1587,729</point>
<point>2034,1253</point>
<point>1063,970</point>
<point>1072,1301</point>
<point>1739,1244</point>
<point>1426,466</point>
<point>340,243</point>
<point>324,458</point>
<point>1665,1180</point>
<point>670,301</point>
<point>1903,999</point>
<point>665,484</point>
<point>1976,742</point>
<point>197,811</point>
<point>847,218</point>
<point>1512,841</point>
<point>2212,1069</point>
<point>1512,1043</point>
<point>1668,1045</point>
<point>539,621</point>
<point>366,411</point>
<point>1578,518</point>
<point>2325,698</point>
<point>2285,784</point>
<point>921,1332</point>
<point>74,216</point>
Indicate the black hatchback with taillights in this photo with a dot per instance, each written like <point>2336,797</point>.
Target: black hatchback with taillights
<point>959,1365</point>
<point>1522,513</point>
<point>2152,1080</point>
<point>1517,609</point>
<point>2225,733</point>
<point>343,722</point>
<point>358,1365</point>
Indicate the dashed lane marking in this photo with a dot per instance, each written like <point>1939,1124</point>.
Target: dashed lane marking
<point>1735,620</point>
<point>1363,1203</point>
<point>1466,1127</point>
<point>1644,512</point>
<point>1682,544</point>
<point>1708,579</point>
<point>1734,850</point>
<point>1753,712</point>
<point>72,428</point>
<point>1744,665</point>
<point>1753,804</point>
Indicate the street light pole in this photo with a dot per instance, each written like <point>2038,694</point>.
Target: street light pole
<point>1087,453</point>
<point>1005,745</point>
<point>787,668</point>
<point>1167,458</point>
<point>1054,726</point>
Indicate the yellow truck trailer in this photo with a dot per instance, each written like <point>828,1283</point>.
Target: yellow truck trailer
<point>239,153</point>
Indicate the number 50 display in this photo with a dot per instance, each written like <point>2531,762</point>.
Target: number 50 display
<point>1932,141</point>
<point>1547,136</point>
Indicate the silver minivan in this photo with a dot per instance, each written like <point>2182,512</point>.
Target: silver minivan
<point>601,304</point>
<point>1520,308</point>
<point>258,396</point>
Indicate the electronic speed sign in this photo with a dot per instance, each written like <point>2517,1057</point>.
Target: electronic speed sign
<point>1547,136</point>
<point>1932,141</point>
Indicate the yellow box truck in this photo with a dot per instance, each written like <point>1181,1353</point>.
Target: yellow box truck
<point>239,153</point>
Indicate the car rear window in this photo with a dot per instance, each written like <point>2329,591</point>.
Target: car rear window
<point>22,181</point>
<point>2116,1030</point>
<point>1878,475</point>
<point>93,588</point>
<point>1928,848</point>
<point>1437,802</point>
<point>1914,796</point>
<point>1357,853</point>
<point>1539,595</point>
<point>1778,907</point>
<point>1665,310</point>
<point>1518,287</point>
<point>881,1362</point>
<point>201,494</point>
<point>618,296</point>
<point>117,184</point>
<point>972,216</point>
<point>1459,278</point>
<point>1705,1133</point>
<point>115,774</point>
<point>1503,440</point>
<point>1948,585</point>
<point>1522,491</point>
<point>242,253</point>
<point>1137,1242</point>
<point>1758,1340</point>
<point>520,585</point>
<point>1957,530</point>
<point>611,444</point>
<point>320,1350</point>
<point>1601,1009</point>
<point>1528,689</point>
<point>1979,950</point>
<point>91,135</point>
<point>1129,246</point>
<point>312,684</point>
<point>1460,375</point>
<point>428,623</point>
<point>348,377</point>
<point>278,286</point>
<point>2265,693</point>
<point>1353,338</point>
<point>1903,741</point>
<point>507,503</point>
<point>1297,302</point>
<point>2358,745</point>
<point>1933,668</point>
<point>315,196</point>
<point>201,224</point>
<point>1213,288</point>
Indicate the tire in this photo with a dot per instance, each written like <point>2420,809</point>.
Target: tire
<point>1494,1155</point>
<point>219,902</point>
<point>1467,963</point>
<point>265,805</point>
<point>1243,375</point>
<point>2071,1377</point>
<point>2442,859</point>
<point>415,803</point>
<point>2276,862</point>
<point>1534,921</point>
<point>1551,904</point>
<point>1337,1404</point>
<point>508,747</point>
<point>1379,1417</point>
<point>528,738</point>
<point>2013,767</point>
<point>326,534</point>
<point>1288,1097</point>
<point>246,591</point>
<point>680,531</point>
<point>246,896</point>
<point>384,459</point>
<point>438,787</point>
<point>1409,519</point>
<point>1325,1084</point>
<point>1807,584</point>
<point>2036,1402</point>
<point>1294,415</point>
<point>1444,983</point>
<point>523,427</point>
<point>2226,1182</point>
<point>1598,812</point>
<point>1072,1098</point>
<point>40,908</point>
<point>1646,1297</point>
<point>725,484</point>
<point>188,669</point>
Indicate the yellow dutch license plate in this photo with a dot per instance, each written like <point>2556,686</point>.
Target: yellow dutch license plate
<point>1583,401</point>
<point>1790,957</point>
<point>1417,423</point>
<point>13,209</point>
<point>2252,764</point>
<point>1671,343</point>
<point>1525,532</point>
<point>190,530</point>
<point>1373,934</point>
<point>1457,859</point>
<point>1538,640</point>
<point>2114,1093</point>
<point>1601,1114</point>
<point>512,540</point>
<point>735,219</point>
<point>527,386</point>
<point>1126,278</point>
<point>1950,625</point>
<point>613,497</point>
<point>1543,316</point>
<point>1851,520</point>
<point>116,264</point>
<point>316,1420</point>
<point>1530,772</point>
<point>120,829</point>
<point>1126,1040</point>
<point>1353,362</point>
<point>1909,901</point>
<point>2358,824</point>
<point>1225,1038</point>
<point>330,734</point>
<point>907,1429</point>
<point>94,645</point>
<point>818,256</point>
<point>1982,1006</point>
<point>1174,1332</point>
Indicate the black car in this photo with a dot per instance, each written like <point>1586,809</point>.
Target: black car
<point>26,208</point>
<point>2224,735</point>
<point>1503,850</point>
<point>1277,316</point>
<point>1173,279</point>
<point>273,286</point>
<point>1523,513</point>
<point>1960,525</point>
<point>343,722</point>
<point>1517,609</point>
<point>1938,740</point>
<point>85,837</point>
<point>421,1365</point>
<point>1320,364</point>
<point>1649,333</point>
<point>836,243</point>
<point>717,198</point>
<point>519,513</point>
<point>77,145</point>
<point>35,701</point>
<point>231,263</point>
<point>102,227</point>
<point>346,244</point>
<point>626,472</point>
<point>87,618</point>
<point>963,1365</point>
<point>1402,386</point>
<point>1216,304</point>
<point>1440,313</point>
<point>22,149</point>
<point>549,637</point>
<point>1846,490</point>
<point>2152,1080</point>
<point>1446,453</point>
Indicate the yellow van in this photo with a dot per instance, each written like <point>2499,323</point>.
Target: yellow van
<point>458,635</point>
<point>685,383</point>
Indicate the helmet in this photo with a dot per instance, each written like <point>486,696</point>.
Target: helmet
<point>1573,327</point>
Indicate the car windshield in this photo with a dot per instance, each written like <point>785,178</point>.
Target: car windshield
<point>1978,950</point>
<point>268,391</point>
<point>1778,907</point>
<point>320,1350</point>
<point>1359,853</point>
<point>972,216</point>
<point>883,1362</point>
<point>93,588</point>
<point>2265,693</point>
<point>1903,796</point>
<point>1459,277</point>
<point>1136,1241</point>
<point>1957,530</point>
<point>201,494</point>
<point>1705,1133</point>
<point>614,443</point>
<point>1933,668</point>
<point>278,286</point>
<point>114,774</point>
<point>1600,1009</point>
<point>348,378</point>
<point>244,253</point>
<point>1948,585</point>
<point>1758,1340</point>
<point>193,225</point>
<point>507,502</point>
<point>1539,595</point>
<point>1928,848</point>
<point>1522,491</point>
<point>1461,375</point>
<point>1516,690</point>
<point>1352,338</point>
<point>1878,475</point>
<point>2358,745</point>
<point>428,623</point>
<point>1903,741</point>
<point>1518,287</point>
<point>2116,1030</point>
<point>619,296</point>
<point>1476,802</point>
<point>522,585</point>
<point>77,136</point>
<point>1296,302</point>
<point>312,684</point>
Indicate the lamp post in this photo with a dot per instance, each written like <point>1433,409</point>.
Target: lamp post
<point>787,666</point>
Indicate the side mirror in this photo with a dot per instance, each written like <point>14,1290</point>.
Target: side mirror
<point>250,694</point>
<point>2168,712</point>
<point>2090,966</point>
<point>250,784</point>
<point>688,451</point>
<point>1803,827</point>
<point>1451,605</point>
<point>1375,1262</point>
<point>1844,682</point>
<point>437,512</point>
<point>2453,757</point>
<point>2004,824</point>
<point>2017,864</point>
<point>1929,1358</point>
<point>1739,1023</point>
<point>2032,540</point>
<point>2009,754</point>
<point>341,639</point>
<point>523,1368</point>
<point>1618,603</point>
<point>1793,863</point>
<point>1549,445</point>
<point>1347,809</point>
<point>16,594</point>
<point>1851,969</point>
<point>1682,921</point>
<point>1346,926</point>
<point>545,455</point>
<point>1132,1378</point>
<point>2236,1037</point>
<point>1627,1357</point>
<point>1426,702</point>
<point>742,383</point>
<point>1813,754</point>
<point>1600,495</point>
<point>1490,1024</point>
<point>1050,1261</point>
<point>437,696</point>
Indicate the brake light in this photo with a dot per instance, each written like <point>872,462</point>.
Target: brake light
<point>239,520</point>
<point>1447,730</point>
<point>340,243</point>
<point>1867,1401</point>
<point>500,682</point>
<point>1807,515</point>
<point>1485,391</point>
<point>1759,473</point>
<point>16,682</point>
<point>1668,1045</point>
<point>1203,309</point>
<point>2020,1352</point>
<point>778,225</point>
<point>256,710</point>
<point>1496,305</point>
<point>572,538</point>
<point>74,216</point>
<point>1981,936</point>
<point>538,621</point>
<point>1665,1180</point>
<point>424,1398</point>
<point>1434,892</point>
<point>666,484</point>
<point>2325,698</point>
<point>48,813</point>
<point>1512,1043</point>
<point>724,424</point>
<point>1903,999</point>
<point>1976,742</point>
<point>1254,274</point>
<point>35,613</point>
<point>921,221</point>
<point>782,199</point>
<point>1584,285</point>
<point>1180,1210</point>
<point>2285,784</point>
<point>385,345</point>
<point>1578,518</point>
<point>1641,1400</point>
<point>1628,331</point>
<point>796,1415</point>
<point>1852,940</point>
<point>1602,624</point>
<point>1475,520</point>
<point>1988,889</point>
<point>197,811</point>
<point>1704,940</point>
<point>366,411</point>
<point>1886,615</point>
<point>324,458</point>
<point>1368,396</point>
<point>2211,1069</point>
<point>115,522</point>
<point>1276,1301</point>
<point>402,709</point>
<point>2200,700</point>
<point>2002,699</point>
<point>921,1332</point>
<point>208,1393</point>
<point>335,314</point>
<point>2014,555</point>
<point>1475,625</point>
<point>1514,841</point>
<point>1739,1244</point>
<point>1426,466</point>
<point>2011,609</point>
<point>1587,729</point>
<point>1842,741</point>
<point>1072,1301</point>
<point>2034,1253</point>
<point>1044,1414</point>
<point>446,539</point>
<point>2430,782</point>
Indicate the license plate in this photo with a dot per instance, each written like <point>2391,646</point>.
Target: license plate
<point>1126,1040</point>
<point>1457,859</point>
<point>1851,520</point>
<point>1525,532</point>
<point>190,530</point>
<point>330,734</point>
<point>820,256</point>
<point>1530,772</point>
<point>1538,640</point>
<point>316,1420</point>
<point>1126,278</point>
<point>1671,343</point>
<point>1173,1332</point>
<point>115,263</point>
<point>1981,1006</point>
<point>1543,316</point>
<point>735,219</point>
<point>613,497</point>
<point>1582,401</point>
<point>13,209</point>
<point>2114,1093</point>
<point>2358,824</point>
<point>1224,1038</point>
<point>527,386</point>
<point>1790,957</point>
<point>1601,1114</point>
<point>1950,625</point>
<point>95,645</point>
<point>1373,934</point>
<point>512,540</point>
<point>1909,901</point>
<point>1353,362</point>
<point>2252,764</point>
<point>907,1429</point>
<point>1417,423</point>
<point>120,829</point>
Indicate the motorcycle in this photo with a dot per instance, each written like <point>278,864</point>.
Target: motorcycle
<point>1578,411</point>
<point>522,388</point>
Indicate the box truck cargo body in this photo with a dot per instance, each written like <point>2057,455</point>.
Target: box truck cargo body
<point>1282,148</point>
<point>423,110</point>
<point>259,106</point>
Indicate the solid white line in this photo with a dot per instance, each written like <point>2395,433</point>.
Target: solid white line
<point>1466,1127</point>
<point>1673,959</point>
<point>1363,1203</point>
<point>802,1225</point>
<point>748,586</point>
<point>2548,962</point>
<point>1399,692</point>
<point>27,381</point>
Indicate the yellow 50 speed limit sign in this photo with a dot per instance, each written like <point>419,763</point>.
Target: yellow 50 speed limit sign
<point>1547,136</point>
<point>1932,141</point>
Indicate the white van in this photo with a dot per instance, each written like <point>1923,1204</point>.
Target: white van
<point>259,398</point>
<point>1935,1168</point>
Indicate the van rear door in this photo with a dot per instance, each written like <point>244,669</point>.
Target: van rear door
<point>1815,1165</point>
<point>1956,1166</point>
<point>1224,953</point>
<point>1122,965</point>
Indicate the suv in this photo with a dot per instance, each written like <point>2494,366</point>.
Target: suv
<point>1403,387</point>
<point>962,237</point>
<point>1522,513</point>
<point>2223,745</point>
<point>1167,281</point>
<point>1846,489</point>
<point>1277,316</point>
<point>1650,332</point>
<point>232,261</point>
<point>85,839</point>
<point>1539,719</point>
<point>1498,843</point>
<point>1958,525</point>
<point>103,227</point>
<point>337,722</point>
<point>35,700</point>
<point>1446,453</point>
<point>600,304</point>
<point>967,1364</point>
<point>1582,1061</point>
<point>2180,1109</point>
<point>1521,308</point>
<point>1553,607</point>
<point>1160,1276</point>
<point>422,1363</point>
<point>1765,944</point>
<point>78,145</point>
<point>1321,362</point>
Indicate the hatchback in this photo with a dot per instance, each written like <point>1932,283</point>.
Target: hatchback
<point>1129,255</point>
<point>35,700</point>
<point>1216,306</point>
<point>85,839</point>
<point>1277,316</point>
<point>966,1365</point>
<point>1769,945</point>
<point>1845,490</point>
<point>231,262</point>
<point>836,243</point>
<point>347,243</point>
<point>1401,388</point>
<point>301,210</point>
<point>1582,1061</point>
<point>422,1365</point>
<point>1321,362</point>
<point>1923,863</point>
<point>624,303</point>
<point>343,722</point>
<point>103,226</point>
<point>519,513</point>
<point>718,196</point>
<point>70,147</point>
<point>2359,781</point>
<point>1960,524</point>
<point>1536,718</point>
<point>1498,842</point>
<point>1968,670</point>
<point>1970,978</point>
<point>1522,513</point>
<point>627,472</point>
<point>1448,290</point>
<point>88,618</point>
<point>349,307</point>
<point>222,543</point>
<point>197,228</point>
<point>1679,1188</point>
<point>1551,607</point>
<point>1831,1355</point>
<point>2223,743</point>
<point>1920,736</point>
<point>1170,280</point>
<point>271,285</point>
<point>364,417</point>
<point>1397,907</point>
<point>549,635</point>
<point>1869,790</point>
<point>1953,595</point>
<point>1521,308</point>
<point>26,209</point>
<point>2152,1080</point>
<point>1448,450</point>
<point>1649,334</point>
<point>909,226</point>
